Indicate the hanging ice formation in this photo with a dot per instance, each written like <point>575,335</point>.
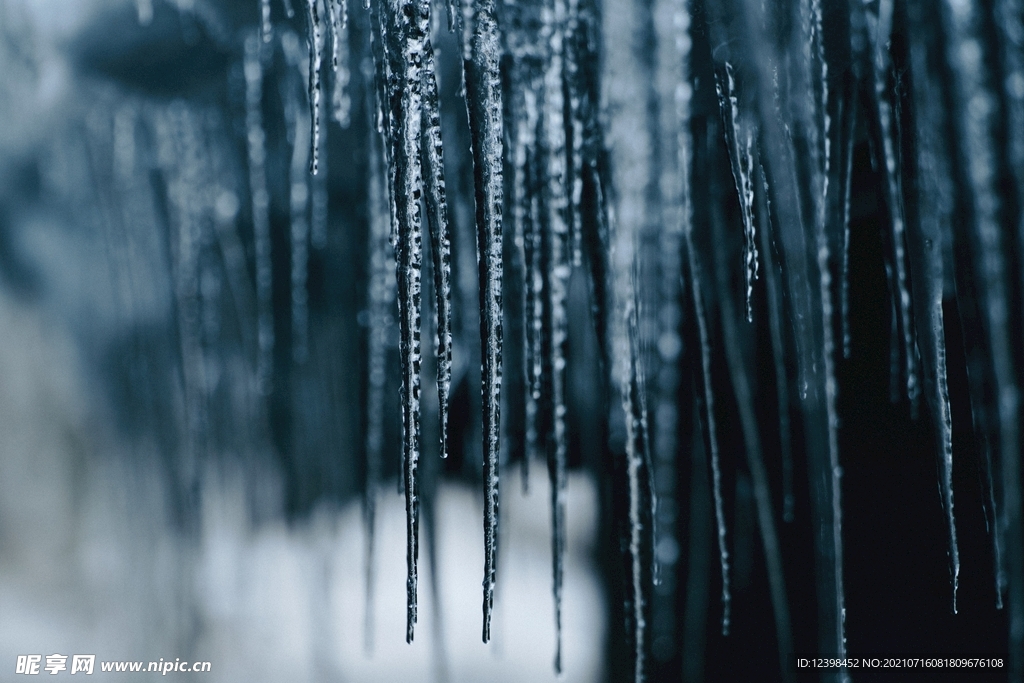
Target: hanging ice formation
<point>652,158</point>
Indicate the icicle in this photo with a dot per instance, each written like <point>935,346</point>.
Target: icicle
<point>1010,24</point>
<point>775,315</point>
<point>740,140</point>
<point>711,437</point>
<point>341,102</point>
<point>408,186</point>
<point>683,97</point>
<point>637,466</point>
<point>534,321</point>
<point>266,28</point>
<point>574,126</point>
<point>381,300</point>
<point>977,122</point>
<point>256,143</point>
<point>299,199</point>
<point>926,240</point>
<point>799,151</point>
<point>483,94</point>
<point>437,215</point>
<point>299,194</point>
<point>883,110</point>
<point>846,189</point>
<point>289,10</point>
<point>739,371</point>
<point>315,59</point>
<point>556,246</point>
<point>524,125</point>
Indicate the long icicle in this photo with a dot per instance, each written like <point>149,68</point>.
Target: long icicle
<point>976,124</point>
<point>299,204</point>
<point>881,32</point>
<point>711,437</point>
<point>381,299</point>
<point>775,326</point>
<point>437,216</point>
<point>927,240</point>
<point>738,369</point>
<point>483,99</point>
<point>556,241</point>
<point>406,144</point>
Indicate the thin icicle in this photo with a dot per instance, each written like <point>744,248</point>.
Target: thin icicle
<point>574,127</point>
<point>256,143</point>
<point>527,246</point>
<point>638,470</point>
<point>740,139</point>
<point>556,241</point>
<point>315,59</point>
<point>712,431</point>
<point>289,10</point>
<point>684,95</point>
<point>483,95</point>
<point>844,285</point>
<point>927,245</point>
<point>881,32</point>
<point>437,215</point>
<point>739,370</point>
<point>299,201</point>
<point>775,317</point>
<point>341,102</point>
<point>977,123</point>
<point>381,298</point>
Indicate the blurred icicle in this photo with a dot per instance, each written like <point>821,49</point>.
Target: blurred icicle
<point>631,141</point>
<point>145,9</point>
<point>298,196</point>
<point>256,143</point>
<point>341,101</point>
<point>381,297</point>
<point>266,28</point>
